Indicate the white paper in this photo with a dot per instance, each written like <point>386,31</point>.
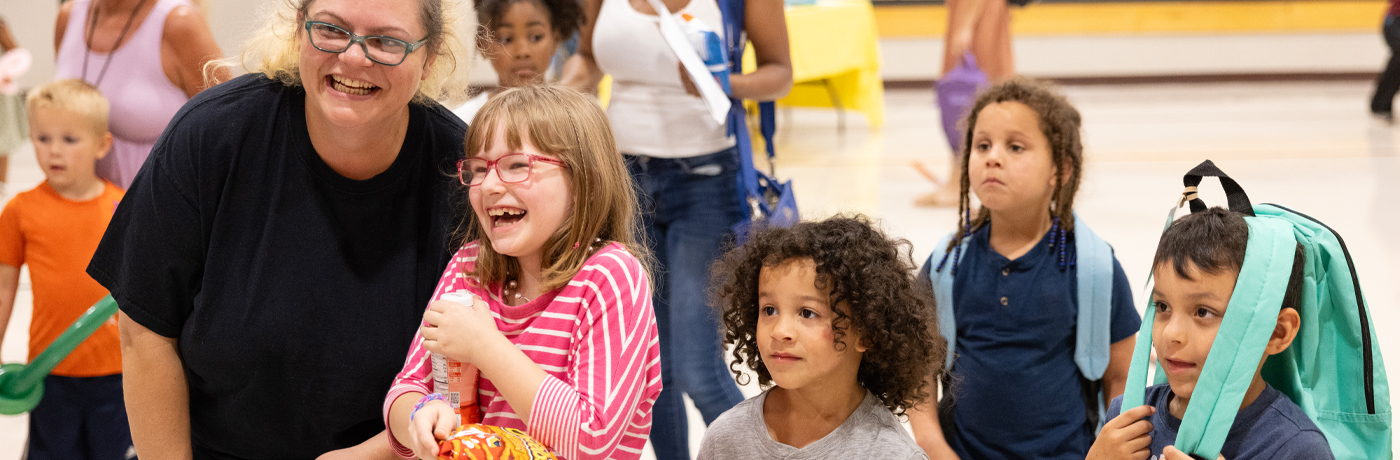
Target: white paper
<point>710,90</point>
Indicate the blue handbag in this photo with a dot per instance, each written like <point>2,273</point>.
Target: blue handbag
<point>763,199</point>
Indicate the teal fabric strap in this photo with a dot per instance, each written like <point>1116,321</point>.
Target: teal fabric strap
<point>1239,342</point>
<point>943,296</point>
<point>1244,332</point>
<point>1093,336</point>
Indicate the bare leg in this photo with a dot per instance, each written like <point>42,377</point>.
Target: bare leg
<point>991,42</point>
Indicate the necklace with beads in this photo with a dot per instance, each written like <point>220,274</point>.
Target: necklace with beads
<point>510,293</point>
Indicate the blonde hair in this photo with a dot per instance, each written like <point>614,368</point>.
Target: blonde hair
<point>73,95</point>
<point>274,49</point>
<point>564,123</point>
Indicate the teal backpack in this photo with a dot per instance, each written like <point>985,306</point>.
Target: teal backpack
<point>1094,260</point>
<point>1333,369</point>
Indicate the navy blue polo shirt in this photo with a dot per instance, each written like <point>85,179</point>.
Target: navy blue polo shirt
<point>1015,385</point>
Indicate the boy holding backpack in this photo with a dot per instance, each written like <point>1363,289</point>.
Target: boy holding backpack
<point>1198,263</point>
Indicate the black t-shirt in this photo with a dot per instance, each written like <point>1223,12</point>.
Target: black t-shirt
<point>294,291</point>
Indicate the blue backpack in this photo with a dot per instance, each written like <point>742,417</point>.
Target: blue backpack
<point>1092,327</point>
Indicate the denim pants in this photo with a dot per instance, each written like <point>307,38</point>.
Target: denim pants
<point>1388,83</point>
<point>689,206</point>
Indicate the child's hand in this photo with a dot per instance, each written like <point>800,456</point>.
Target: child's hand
<point>458,331</point>
<point>1171,453</point>
<point>1126,436</point>
<point>429,425</point>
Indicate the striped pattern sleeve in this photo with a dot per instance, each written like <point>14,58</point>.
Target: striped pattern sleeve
<point>417,373</point>
<point>601,409</point>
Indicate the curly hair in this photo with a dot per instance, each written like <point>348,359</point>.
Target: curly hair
<point>565,16</point>
<point>1059,121</point>
<point>863,269</point>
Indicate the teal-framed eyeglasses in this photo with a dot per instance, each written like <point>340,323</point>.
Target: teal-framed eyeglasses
<point>378,48</point>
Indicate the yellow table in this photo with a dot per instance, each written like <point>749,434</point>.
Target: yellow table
<point>835,58</point>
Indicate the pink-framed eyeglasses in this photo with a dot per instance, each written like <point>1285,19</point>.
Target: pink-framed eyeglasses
<point>513,168</point>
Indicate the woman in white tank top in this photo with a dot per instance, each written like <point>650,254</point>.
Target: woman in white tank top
<point>686,166</point>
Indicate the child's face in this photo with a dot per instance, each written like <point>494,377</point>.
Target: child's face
<point>794,329</point>
<point>521,45</point>
<point>1188,316</point>
<point>66,145</point>
<point>520,217</point>
<point>1010,165</point>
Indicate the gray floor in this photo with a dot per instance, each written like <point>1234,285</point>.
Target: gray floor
<point>1310,146</point>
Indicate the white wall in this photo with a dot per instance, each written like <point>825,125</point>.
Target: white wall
<point>1158,55</point>
<point>32,22</point>
<point>903,59</point>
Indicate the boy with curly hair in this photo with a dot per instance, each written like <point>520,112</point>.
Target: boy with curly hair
<point>829,316</point>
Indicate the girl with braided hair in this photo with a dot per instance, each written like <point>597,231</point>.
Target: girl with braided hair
<point>1011,266</point>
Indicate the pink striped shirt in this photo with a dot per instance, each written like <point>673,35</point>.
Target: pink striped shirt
<point>595,337</point>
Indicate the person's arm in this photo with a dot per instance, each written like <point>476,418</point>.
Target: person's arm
<point>1115,377</point>
<point>416,438</point>
<point>61,26</point>
<point>157,395</point>
<point>188,36</point>
<point>581,71</point>
<point>9,284</point>
<point>468,334</point>
<point>766,25</point>
<point>615,371</point>
<point>962,25</point>
<point>7,41</point>
<point>928,432</point>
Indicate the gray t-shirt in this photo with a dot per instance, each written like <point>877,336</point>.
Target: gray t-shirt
<point>870,432</point>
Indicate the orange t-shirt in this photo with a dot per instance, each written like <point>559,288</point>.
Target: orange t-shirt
<point>57,237</point>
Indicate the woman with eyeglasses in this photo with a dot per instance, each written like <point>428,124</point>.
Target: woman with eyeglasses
<point>147,57</point>
<point>273,257</point>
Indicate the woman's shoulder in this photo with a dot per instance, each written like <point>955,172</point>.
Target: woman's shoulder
<point>212,126</point>
<point>234,102</point>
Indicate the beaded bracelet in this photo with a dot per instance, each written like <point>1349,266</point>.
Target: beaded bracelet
<point>421,402</point>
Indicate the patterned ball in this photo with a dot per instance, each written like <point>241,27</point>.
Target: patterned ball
<point>482,442</point>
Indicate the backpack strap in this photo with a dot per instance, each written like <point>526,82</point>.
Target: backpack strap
<point>943,297</point>
<point>1244,332</point>
<point>735,40</point>
<point>1093,335</point>
<point>1239,343</point>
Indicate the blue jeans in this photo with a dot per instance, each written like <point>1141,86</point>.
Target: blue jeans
<point>689,206</point>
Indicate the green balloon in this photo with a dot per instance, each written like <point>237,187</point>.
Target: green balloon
<point>21,386</point>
